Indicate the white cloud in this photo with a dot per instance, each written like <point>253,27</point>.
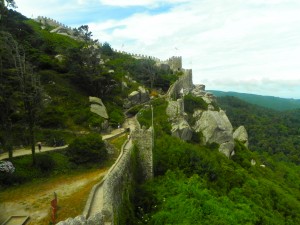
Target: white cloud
<point>145,3</point>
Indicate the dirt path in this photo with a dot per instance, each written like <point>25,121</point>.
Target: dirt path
<point>35,201</point>
<point>27,151</point>
<point>24,151</point>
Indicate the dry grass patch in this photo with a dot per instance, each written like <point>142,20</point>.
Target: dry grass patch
<point>34,198</point>
<point>118,143</point>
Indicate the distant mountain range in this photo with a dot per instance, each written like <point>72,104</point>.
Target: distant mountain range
<point>276,103</point>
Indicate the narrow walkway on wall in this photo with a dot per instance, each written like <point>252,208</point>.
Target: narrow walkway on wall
<point>97,201</point>
<point>96,204</point>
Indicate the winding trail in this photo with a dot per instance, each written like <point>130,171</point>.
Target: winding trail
<point>27,151</point>
<point>14,207</point>
<point>96,203</point>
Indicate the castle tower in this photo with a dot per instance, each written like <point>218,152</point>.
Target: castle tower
<point>175,63</point>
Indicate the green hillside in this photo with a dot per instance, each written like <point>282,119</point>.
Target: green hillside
<point>195,184</point>
<point>65,72</point>
<point>44,97</point>
<point>276,103</point>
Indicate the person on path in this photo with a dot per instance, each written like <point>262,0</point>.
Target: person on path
<point>39,144</point>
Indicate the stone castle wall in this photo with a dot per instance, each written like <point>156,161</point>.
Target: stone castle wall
<point>175,62</point>
<point>51,22</point>
<point>184,83</point>
<point>117,182</point>
<point>120,177</point>
<point>144,140</point>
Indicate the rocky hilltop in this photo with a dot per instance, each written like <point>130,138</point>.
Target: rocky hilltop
<point>211,122</point>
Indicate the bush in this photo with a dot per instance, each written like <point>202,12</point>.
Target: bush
<point>52,117</point>
<point>45,162</point>
<point>197,137</point>
<point>89,148</point>
<point>191,103</point>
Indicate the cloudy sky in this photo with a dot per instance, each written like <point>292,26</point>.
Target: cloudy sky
<point>248,46</point>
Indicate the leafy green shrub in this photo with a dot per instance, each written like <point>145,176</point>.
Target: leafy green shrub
<point>116,117</point>
<point>215,105</point>
<point>197,137</point>
<point>242,155</point>
<point>45,162</point>
<point>52,117</point>
<point>134,110</point>
<point>95,121</point>
<point>191,103</point>
<point>45,62</point>
<point>88,148</point>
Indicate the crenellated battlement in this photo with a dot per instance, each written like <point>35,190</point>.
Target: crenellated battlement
<point>138,56</point>
<point>51,22</point>
<point>175,62</point>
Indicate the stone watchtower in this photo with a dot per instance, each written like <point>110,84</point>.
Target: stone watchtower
<point>175,63</point>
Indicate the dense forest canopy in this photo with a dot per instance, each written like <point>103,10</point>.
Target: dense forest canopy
<point>195,184</point>
<point>271,102</point>
<point>269,131</point>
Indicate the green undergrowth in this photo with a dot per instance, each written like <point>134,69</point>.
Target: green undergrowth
<point>192,103</point>
<point>49,164</point>
<point>196,184</point>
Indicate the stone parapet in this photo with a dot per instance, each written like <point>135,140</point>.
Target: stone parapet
<point>118,180</point>
<point>144,140</point>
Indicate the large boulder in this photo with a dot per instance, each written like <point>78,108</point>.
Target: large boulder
<point>199,90</point>
<point>182,130</point>
<point>144,95</point>
<point>216,127</point>
<point>241,135</point>
<point>209,98</point>
<point>175,108</point>
<point>139,96</point>
<point>134,97</point>
<point>98,107</point>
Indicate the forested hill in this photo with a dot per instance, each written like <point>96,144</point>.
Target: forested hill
<point>277,133</point>
<point>46,79</point>
<point>276,103</point>
<point>45,83</point>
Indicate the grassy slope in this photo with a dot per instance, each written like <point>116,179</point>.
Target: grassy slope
<point>72,184</point>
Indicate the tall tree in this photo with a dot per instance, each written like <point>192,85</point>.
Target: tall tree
<point>27,87</point>
<point>4,4</point>
<point>7,92</point>
<point>85,63</point>
<point>8,3</point>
